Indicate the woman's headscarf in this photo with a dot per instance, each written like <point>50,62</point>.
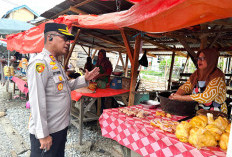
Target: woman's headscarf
<point>104,62</point>
<point>211,71</point>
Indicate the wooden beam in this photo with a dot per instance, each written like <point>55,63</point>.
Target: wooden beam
<point>203,37</point>
<point>129,49</point>
<point>106,39</point>
<point>89,51</point>
<point>95,51</point>
<point>229,48</point>
<point>121,59</point>
<point>155,43</point>
<point>179,53</point>
<point>84,49</point>
<point>152,55</point>
<point>82,3</point>
<point>77,11</point>
<point>90,43</point>
<point>71,50</point>
<point>72,9</point>
<point>169,50</point>
<point>183,37</point>
<point>216,38</point>
<point>191,53</point>
<point>126,66</point>
<point>171,70</point>
<point>134,70</point>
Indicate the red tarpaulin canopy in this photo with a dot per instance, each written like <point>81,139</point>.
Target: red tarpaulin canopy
<point>147,16</point>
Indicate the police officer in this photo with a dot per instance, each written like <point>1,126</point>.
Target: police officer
<point>49,93</point>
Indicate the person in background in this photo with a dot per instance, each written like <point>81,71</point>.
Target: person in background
<point>206,85</point>
<point>103,78</point>
<point>2,76</point>
<point>89,65</point>
<point>49,93</point>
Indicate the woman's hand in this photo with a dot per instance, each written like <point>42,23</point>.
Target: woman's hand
<point>175,96</point>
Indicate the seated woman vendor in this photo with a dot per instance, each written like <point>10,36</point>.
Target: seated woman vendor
<point>207,83</point>
<point>105,69</point>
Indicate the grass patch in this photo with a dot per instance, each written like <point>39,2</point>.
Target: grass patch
<point>150,72</point>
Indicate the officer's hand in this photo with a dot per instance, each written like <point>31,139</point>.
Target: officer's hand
<point>46,143</point>
<point>89,75</point>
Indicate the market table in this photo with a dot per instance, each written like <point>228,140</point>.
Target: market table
<point>21,84</point>
<point>138,135</point>
<point>84,115</point>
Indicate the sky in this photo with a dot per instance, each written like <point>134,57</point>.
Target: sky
<point>38,6</point>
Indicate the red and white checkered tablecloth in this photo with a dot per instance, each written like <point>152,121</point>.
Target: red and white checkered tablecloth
<point>138,135</point>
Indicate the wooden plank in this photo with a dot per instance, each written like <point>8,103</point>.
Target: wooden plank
<point>129,49</point>
<point>71,50</point>
<point>77,11</point>
<point>134,70</point>
<point>171,70</point>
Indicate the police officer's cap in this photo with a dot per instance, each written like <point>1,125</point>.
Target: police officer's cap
<point>60,28</point>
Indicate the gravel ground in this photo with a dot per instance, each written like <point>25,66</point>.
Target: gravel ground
<point>19,116</point>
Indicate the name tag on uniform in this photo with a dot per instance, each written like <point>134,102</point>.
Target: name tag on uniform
<point>56,72</point>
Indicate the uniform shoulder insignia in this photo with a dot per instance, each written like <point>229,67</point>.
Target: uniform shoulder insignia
<point>55,67</point>
<point>40,67</point>
<point>52,63</point>
<point>52,58</point>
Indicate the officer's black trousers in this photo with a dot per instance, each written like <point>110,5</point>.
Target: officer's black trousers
<point>58,145</point>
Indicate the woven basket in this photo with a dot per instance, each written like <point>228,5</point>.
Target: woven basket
<point>181,108</point>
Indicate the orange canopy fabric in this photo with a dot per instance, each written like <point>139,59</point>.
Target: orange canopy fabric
<point>146,15</point>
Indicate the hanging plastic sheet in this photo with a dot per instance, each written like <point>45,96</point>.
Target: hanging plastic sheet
<point>146,15</point>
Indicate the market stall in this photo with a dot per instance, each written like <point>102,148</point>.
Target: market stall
<point>83,114</point>
<point>137,134</point>
<point>164,16</point>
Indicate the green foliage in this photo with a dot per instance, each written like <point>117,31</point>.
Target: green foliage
<point>151,72</point>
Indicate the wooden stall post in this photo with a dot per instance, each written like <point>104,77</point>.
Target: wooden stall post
<point>171,69</point>
<point>126,66</point>
<point>71,50</point>
<point>203,37</point>
<point>120,56</point>
<point>134,70</point>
